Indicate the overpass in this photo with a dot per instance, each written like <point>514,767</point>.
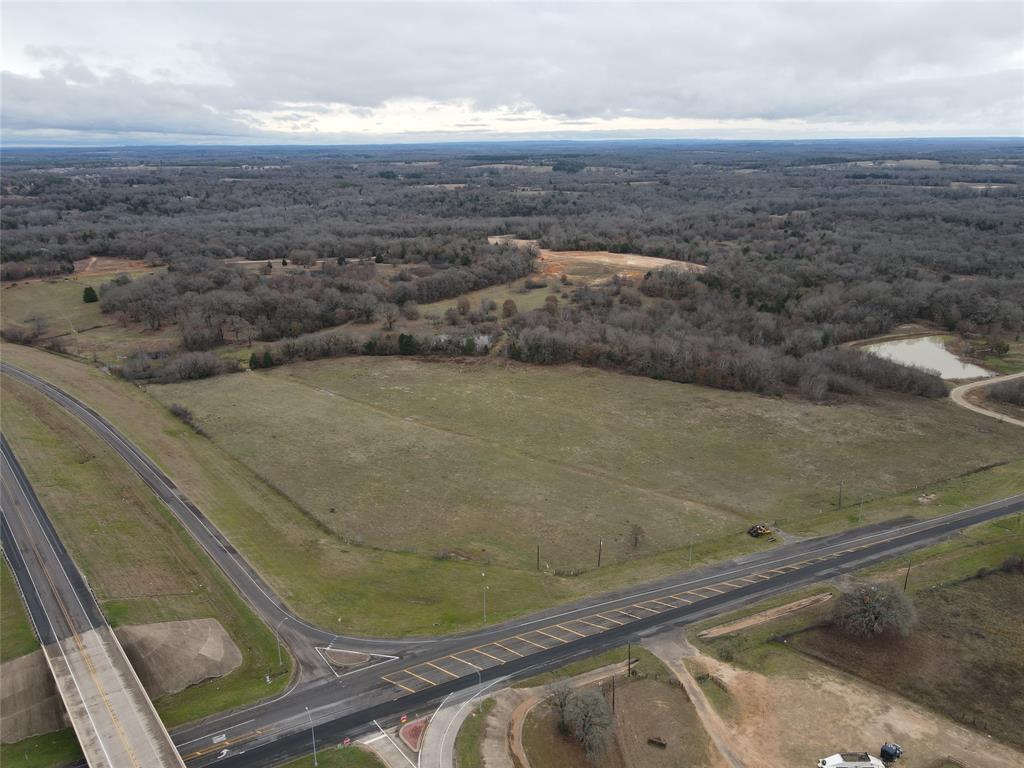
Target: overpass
<point>112,716</point>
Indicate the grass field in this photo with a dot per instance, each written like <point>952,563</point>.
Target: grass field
<point>432,457</point>
<point>18,637</point>
<point>364,590</point>
<point>142,566</point>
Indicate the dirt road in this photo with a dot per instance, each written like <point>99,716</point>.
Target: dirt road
<point>958,396</point>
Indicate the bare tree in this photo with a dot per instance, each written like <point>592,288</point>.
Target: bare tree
<point>874,609</point>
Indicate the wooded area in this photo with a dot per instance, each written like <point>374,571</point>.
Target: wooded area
<point>807,246</point>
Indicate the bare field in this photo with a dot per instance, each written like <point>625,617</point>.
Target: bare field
<point>423,456</point>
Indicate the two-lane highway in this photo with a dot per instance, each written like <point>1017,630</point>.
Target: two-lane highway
<point>109,709</point>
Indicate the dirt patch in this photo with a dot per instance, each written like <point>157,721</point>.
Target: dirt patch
<point>345,659</point>
<point>104,265</point>
<point>965,657</point>
<point>29,702</point>
<point>647,709</point>
<point>173,655</point>
<point>766,616</point>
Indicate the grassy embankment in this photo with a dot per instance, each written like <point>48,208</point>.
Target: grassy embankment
<point>18,637</point>
<point>557,441</point>
<point>963,658</point>
<point>469,741</point>
<point>104,514</point>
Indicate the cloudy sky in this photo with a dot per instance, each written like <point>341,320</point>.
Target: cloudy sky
<point>330,72</point>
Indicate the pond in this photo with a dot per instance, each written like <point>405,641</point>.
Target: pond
<point>928,353</point>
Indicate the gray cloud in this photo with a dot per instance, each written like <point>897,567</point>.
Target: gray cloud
<point>204,70</point>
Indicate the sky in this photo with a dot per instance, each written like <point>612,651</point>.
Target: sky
<point>383,72</point>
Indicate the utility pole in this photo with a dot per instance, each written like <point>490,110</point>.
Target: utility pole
<point>538,557</point>
<point>277,632</point>
<point>840,494</point>
<point>600,549</point>
<point>629,659</point>
<point>906,579</point>
<point>312,733</point>
<point>691,554</point>
<point>613,693</point>
<point>484,575</point>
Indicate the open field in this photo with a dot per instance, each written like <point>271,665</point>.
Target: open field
<point>363,590</point>
<point>425,457</point>
<point>103,512</point>
<point>18,636</point>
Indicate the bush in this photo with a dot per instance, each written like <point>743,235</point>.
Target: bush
<point>1011,392</point>
<point>1013,564</point>
<point>590,721</point>
<point>89,295</point>
<point>872,610</point>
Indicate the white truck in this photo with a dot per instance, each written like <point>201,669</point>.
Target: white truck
<point>850,760</point>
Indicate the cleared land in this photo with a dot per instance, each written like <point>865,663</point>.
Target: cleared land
<point>435,457</point>
<point>103,512</point>
<point>18,636</point>
<point>961,661</point>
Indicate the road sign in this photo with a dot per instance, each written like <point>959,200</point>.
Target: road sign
<point>347,741</point>
<point>404,718</point>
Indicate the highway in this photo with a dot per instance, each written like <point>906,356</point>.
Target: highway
<point>112,716</point>
<point>411,674</point>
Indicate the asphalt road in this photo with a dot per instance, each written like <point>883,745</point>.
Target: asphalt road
<point>423,671</point>
<point>112,716</point>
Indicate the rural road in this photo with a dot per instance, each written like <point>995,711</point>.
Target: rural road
<point>112,716</point>
<point>418,673</point>
<point>959,396</point>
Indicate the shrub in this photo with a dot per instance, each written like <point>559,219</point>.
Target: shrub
<point>1013,564</point>
<point>89,295</point>
<point>872,610</point>
<point>1008,392</point>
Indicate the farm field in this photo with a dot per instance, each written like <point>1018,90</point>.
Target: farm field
<point>426,457</point>
<point>102,512</point>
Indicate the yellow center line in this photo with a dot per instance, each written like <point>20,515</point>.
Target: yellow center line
<point>517,653</point>
<point>592,624</point>
<point>553,637</point>
<point>609,618</point>
<point>567,629</point>
<point>467,663</point>
<point>662,602</point>
<point>644,608</point>
<point>403,687</point>
<point>489,655</point>
<point>420,677</point>
<point>538,645</point>
<point>442,669</point>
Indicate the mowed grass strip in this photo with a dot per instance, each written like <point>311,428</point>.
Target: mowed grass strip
<point>18,636</point>
<point>488,459</point>
<point>141,564</point>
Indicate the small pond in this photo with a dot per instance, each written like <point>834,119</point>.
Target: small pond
<point>927,352</point>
